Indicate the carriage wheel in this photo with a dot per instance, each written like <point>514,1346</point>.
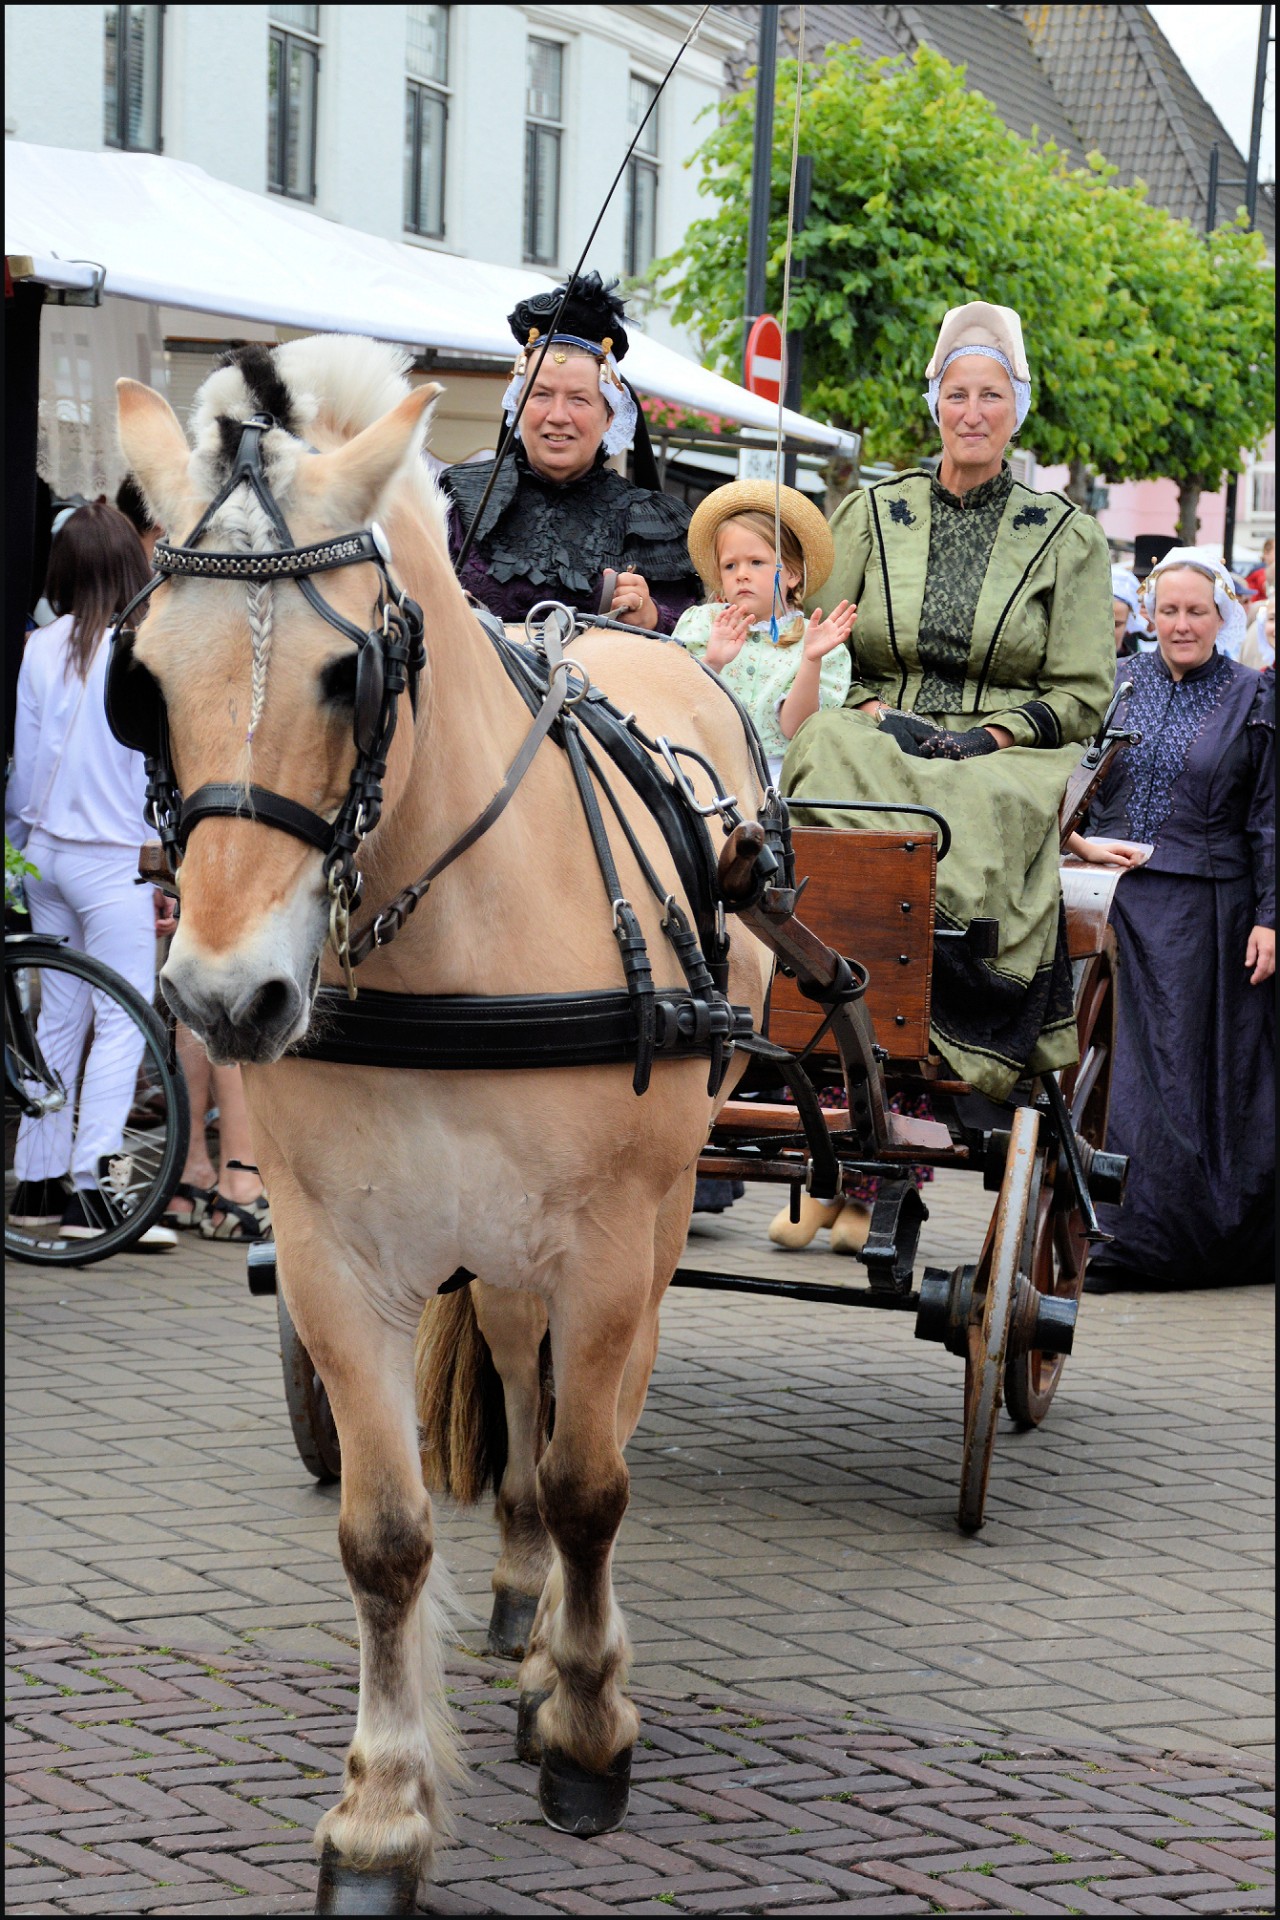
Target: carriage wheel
<point>1061,1252</point>
<point>315,1433</point>
<point>1005,1254</point>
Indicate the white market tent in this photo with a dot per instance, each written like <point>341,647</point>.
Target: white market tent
<point>165,232</point>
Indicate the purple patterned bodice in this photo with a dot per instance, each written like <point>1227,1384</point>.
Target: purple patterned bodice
<point>1169,714</point>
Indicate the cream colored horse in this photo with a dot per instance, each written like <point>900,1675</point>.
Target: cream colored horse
<point>568,1194</point>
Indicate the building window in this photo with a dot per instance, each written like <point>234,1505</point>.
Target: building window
<point>543,128</point>
<point>293,71</point>
<point>131,78</point>
<point>426,115</point>
<point>641,239</point>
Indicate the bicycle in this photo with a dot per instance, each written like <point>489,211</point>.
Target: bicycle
<point>136,1181</point>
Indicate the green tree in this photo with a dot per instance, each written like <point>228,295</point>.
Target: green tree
<point>923,199</point>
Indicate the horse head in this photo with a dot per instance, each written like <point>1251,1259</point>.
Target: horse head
<point>259,684</point>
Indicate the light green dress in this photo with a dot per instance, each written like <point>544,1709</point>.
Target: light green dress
<point>761,675</point>
<point>991,609</point>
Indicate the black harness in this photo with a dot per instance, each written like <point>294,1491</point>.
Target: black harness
<point>465,1031</point>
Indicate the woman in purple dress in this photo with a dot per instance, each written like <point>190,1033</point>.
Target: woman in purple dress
<point>559,518</point>
<point>1193,1091</point>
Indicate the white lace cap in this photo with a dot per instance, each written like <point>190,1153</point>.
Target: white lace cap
<point>621,431</point>
<point>1225,598</point>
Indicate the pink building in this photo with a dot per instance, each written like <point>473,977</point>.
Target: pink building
<point>1151,506</point>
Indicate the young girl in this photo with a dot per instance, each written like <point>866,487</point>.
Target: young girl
<point>731,543</point>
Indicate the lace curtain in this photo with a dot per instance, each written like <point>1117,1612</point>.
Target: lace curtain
<point>83,352</point>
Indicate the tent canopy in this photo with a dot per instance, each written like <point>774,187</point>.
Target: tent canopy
<point>166,232</point>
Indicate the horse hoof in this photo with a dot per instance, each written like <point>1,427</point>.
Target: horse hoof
<point>575,1801</point>
<point>511,1623</point>
<point>347,1889</point>
<point>528,1745</point>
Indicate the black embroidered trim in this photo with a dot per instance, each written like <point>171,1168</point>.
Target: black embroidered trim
<point>901,512</point>
<point>1008,605</point>
<point>988,1013</point>
<point>1031,517</point>
<point>1044,720</point>
<point>888,598</point>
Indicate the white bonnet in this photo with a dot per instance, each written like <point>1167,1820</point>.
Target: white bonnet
<point>1225,598</point>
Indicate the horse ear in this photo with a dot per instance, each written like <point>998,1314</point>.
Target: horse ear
<point>349,482</point>
<point>155,449</point>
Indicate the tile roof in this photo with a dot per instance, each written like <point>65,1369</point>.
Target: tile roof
<point>1002,65</point>
<point>1083,76</point>
<point>1131,97</point>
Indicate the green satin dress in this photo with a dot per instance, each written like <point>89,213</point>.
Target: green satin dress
<point>991,608</point>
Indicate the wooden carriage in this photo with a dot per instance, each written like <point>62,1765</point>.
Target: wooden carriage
<point>1010,1314</point>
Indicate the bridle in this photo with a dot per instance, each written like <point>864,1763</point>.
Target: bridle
<point>390,657</point>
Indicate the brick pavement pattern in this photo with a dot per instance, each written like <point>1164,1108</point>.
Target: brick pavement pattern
<point>791,1531</point>
<point>142,1781</point>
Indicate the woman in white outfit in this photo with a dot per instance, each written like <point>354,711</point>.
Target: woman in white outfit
<point>74,804</point>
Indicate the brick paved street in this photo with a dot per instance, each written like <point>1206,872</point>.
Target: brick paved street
<point>151,1783</point>
<point>790,1542</point>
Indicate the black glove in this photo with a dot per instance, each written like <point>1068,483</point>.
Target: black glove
<point>958,746</point>
<point>910,733</point>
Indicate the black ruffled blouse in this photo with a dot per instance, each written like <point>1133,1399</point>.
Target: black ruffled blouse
<point>545,539</point>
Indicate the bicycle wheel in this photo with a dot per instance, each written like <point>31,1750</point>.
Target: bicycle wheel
<point>42,1105</point>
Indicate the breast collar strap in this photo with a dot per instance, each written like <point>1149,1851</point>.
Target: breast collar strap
<point>396,633</point>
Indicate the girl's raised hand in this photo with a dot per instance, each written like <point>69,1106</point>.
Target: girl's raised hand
<point>728,635</point>
<point>824,636</point>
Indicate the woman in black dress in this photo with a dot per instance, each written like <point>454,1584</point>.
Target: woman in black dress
<point>1193,1091</point>
<point>559,517</point>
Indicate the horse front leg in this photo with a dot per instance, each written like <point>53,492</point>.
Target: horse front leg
<point>576,1712</point>
<point>538,1674</point>
<point>514,1325</point>
<point>377,1844</point>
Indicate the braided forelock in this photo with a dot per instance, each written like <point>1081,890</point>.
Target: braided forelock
<point>244,523</point>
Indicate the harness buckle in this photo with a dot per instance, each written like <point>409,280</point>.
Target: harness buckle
<point>340,928</point>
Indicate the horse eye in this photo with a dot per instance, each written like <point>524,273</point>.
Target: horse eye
<point>338,680</point>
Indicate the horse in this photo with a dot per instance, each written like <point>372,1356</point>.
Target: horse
<point>563,1191</point>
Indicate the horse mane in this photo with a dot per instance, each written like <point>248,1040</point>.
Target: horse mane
<point>331,386</point>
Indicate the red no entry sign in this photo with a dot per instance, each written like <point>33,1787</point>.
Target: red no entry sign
<point>763,359</point>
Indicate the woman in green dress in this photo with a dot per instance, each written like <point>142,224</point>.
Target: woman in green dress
<point>983,658</point>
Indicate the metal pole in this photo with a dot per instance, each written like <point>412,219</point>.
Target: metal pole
<point>795,339</point>
<point>1251,208</point>
<point>1211,208</point>
<point>761,166</point>
<point>1255,132</point>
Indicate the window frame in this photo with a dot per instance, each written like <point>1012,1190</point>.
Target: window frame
<point>416,86</point>
<point>120,143</point>
<point>642,162</point>
<point>288,36</point>
<point>553,132</point>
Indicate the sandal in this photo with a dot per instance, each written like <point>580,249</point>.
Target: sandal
<point>252,1222</point>
<point>201,1198</point>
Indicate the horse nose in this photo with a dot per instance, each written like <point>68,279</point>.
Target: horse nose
<point>238,1019</point>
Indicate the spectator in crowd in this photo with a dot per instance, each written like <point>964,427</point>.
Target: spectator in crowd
<point>228,1204</point>
<point>1133,635</point>
<point>74,804</point>
<point>1262,580</point>
<point>1258,648</point>
<point>1192,1094</point>
<point>131,504</point>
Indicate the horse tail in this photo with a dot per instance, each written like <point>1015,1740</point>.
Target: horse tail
<point>462,1420</point>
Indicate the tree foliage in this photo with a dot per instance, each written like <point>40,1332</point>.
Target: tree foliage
<point>1151,350</point>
